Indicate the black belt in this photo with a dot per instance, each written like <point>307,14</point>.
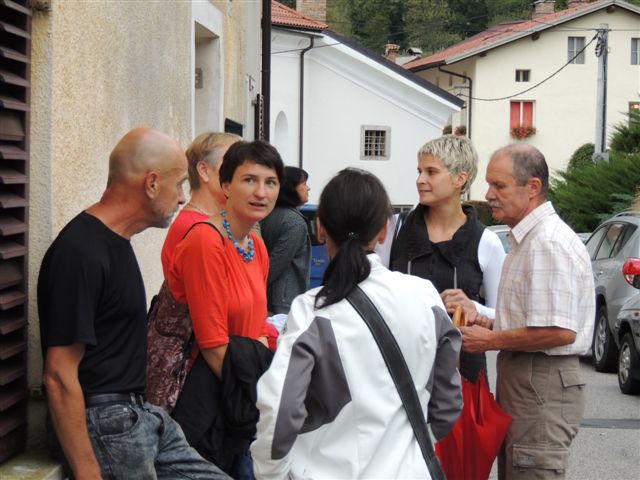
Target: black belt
<point>106,398</point>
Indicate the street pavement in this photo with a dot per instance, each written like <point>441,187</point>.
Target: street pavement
<point>608,444</point>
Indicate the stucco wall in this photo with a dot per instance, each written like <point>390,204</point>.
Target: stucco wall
<point>565,106</point>
<point>98,70</point>
<point>242,28</point>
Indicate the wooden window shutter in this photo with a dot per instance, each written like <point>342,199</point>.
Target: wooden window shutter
<point>527,114</point>
<point>15,54</point>
<point>515,115</point>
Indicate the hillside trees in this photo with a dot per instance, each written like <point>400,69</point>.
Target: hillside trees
<point>429,24</point>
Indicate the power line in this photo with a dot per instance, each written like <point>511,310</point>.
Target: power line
<point>537,84</point>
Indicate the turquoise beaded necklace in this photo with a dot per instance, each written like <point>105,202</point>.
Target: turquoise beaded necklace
<point>247,255</point>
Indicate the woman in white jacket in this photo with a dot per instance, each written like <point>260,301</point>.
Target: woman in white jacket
<point>328,405</point>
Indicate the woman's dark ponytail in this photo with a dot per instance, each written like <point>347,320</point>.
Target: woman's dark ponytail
<point>353,208</point>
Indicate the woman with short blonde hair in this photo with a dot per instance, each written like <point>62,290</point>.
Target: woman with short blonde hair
<point>442,240</point>
<point>204,157</point>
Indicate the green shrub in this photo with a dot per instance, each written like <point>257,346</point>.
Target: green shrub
<point>583,196</point>
<point>626,135</point>
<point>583,154</point>
<point>483,211</point>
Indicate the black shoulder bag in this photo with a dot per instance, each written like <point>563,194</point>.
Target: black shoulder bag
<point>400,374</point>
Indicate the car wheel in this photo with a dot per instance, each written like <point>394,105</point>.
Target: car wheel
<point>605,351</point>
<point>628,363</point>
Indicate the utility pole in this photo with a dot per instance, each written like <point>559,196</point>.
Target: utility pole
<point>602,52</point>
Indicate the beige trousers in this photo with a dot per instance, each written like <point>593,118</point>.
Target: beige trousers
<point>545,397</point>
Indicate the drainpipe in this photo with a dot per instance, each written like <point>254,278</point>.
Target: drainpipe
<point>301,126</point>
<point>266,67</point>
<point>469,103</point>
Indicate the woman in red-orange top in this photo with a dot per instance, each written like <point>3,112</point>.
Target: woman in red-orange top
<point>204,157</point>
<point>220,269</point>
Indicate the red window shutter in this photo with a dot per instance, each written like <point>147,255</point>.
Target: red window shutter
<point>527,114</point>
<point>515,114</point>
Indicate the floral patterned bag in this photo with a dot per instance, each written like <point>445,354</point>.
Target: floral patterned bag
<point>169,344</point>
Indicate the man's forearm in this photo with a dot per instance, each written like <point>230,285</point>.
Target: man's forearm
<point>529,339</point>
<point>68,415</point>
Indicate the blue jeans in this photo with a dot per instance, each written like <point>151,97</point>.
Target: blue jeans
<point>144,442</point>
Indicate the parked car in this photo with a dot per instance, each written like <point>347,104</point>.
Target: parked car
<point>584,236</point>
<point>319,254</point>
<point>627,328</point>
<point>503,234</point>
<point>614,241</point>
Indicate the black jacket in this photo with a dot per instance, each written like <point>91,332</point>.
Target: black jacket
<point>449,264</point>
<point>219,417</point>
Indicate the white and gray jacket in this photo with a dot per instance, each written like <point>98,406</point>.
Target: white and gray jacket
<point>328,406</point>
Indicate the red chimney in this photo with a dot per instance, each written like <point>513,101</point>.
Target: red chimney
<point>391,51</point>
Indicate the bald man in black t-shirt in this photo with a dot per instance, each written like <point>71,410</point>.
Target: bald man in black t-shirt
<point>92,308</point>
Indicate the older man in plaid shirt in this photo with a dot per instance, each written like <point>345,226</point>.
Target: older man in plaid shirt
<point>544,319</point>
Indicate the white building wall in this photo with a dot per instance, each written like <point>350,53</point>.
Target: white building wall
<point>565,105</point>
<point>285,75</point>
<point>342,94</point>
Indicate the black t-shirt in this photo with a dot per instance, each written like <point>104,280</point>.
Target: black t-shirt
<point>90,291</point>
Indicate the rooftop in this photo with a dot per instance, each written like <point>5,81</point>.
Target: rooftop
<point>509,31</point>
<point>284,16</point>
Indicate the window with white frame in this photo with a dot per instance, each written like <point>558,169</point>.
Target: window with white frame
<point>523,75</point>
<point>635,51</point>
<point>374,142</point>
<point>576,44</point>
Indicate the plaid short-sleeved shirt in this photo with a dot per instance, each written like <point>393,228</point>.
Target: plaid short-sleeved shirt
<point>547,280</point>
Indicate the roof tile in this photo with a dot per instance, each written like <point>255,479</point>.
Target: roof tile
<point>284,16</point>
<point>497,34</point>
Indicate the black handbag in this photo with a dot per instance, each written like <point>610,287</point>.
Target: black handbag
<point>400,374</point>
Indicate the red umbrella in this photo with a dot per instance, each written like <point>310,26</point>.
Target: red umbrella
<point>470,448</point>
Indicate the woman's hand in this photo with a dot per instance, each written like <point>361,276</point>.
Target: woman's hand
<point>453,297</point>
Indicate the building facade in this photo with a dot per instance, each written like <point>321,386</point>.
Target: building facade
<point>336,104</point>
<point>512,75</point>
<point>98,69</point>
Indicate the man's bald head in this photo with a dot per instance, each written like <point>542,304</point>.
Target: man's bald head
<point>528,162</point>
<point>138,152</point>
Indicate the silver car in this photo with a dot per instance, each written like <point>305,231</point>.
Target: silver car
<point>614,241</point>
<point>628,333</point>
<point>503,234</point>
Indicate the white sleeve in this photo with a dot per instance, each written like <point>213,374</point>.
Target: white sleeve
<point>269,396</point>
<point>490,257</point>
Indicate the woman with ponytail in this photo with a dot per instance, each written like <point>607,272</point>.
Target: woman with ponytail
<point>328,405</point>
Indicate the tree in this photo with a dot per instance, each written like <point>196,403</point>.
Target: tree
<point>375,23</point>
<point>428,25</point>
<point>338,17</point>
<point>626,135</point>
<point>503,10</point>
<point>591,192</point>
<point>468,17</point>
<point>583,154</point>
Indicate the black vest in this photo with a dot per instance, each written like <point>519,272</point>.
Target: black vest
<point>444,263</point>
